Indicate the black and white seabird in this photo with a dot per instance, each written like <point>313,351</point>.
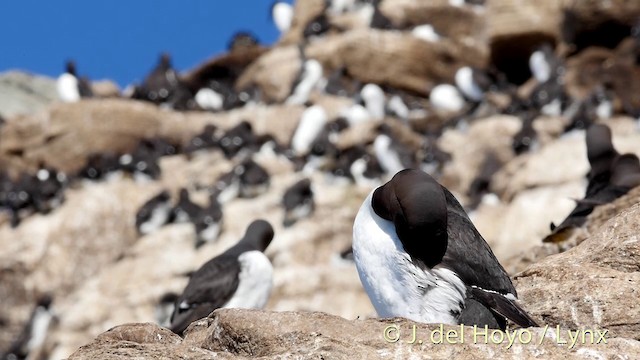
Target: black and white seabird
<point>47,191</point>
<point>209,99</point>
<point>357,164</point>
<point>311,123</point>
<point>420,257</point>
<point>155,213</point>
<point>70,88</point>
<point>298,202</point>
<point>208,222</point>
<point>481,185</point>
<point>236,139</point>
<point>34,333</point>
<point>282,14</point>
<point>625,175</point>
<point>309,76</point>
<point>447,98</point>
<point>525,139</point>
<point>161,82</point>
<point>611,176</point>
<point>254,179</point>
<point>433,159</point>
<point>17,196</point>
<point>206,139</point>
<point>392,154</point>
<point>185,210</point>
<point>369,104</point>
<point>142,162</point>
<point>543,64</point>
<point>374,100</point>
<point>473,83</point>
<point>99,165</point>
<point>241,277</point>
<point>324,145</point>
<point>227,186</point>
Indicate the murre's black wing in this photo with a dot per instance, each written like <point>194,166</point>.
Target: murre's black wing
<point>488,281</point>
<point>480,267</point>
<point>209,288</point>
<point>504,306</point>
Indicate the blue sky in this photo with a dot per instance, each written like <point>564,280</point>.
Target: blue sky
<point>121,39</point>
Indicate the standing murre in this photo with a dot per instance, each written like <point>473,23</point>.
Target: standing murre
<point>254,179</point>
<point>209,99</point>
<point>374,100</point>
<point>34,333</point>
<point>155,213</point>
<point>369,105</point>
<point>237,140</point>
<point>543,63</point>
<point>298,202</point>
<point>70,88</point>
<point>282,15</point>
<point>185,210</point>
<point>311,123</point>
<point>206,139</point>
<point>611,175</point>
<point>419,256</point>
<point>308,78</point>
<point>241,277</point>
<point>160,83</point>
<point>446,97</point>
<point>472,83</point>
<point>625,175</point>
<point>208,222</point>
<point>392,154</point>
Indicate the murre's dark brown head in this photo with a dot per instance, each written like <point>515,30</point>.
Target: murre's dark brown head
<point>417,206</point>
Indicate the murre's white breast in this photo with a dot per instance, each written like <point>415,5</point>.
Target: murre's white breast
<point>67,88</point>
<point>282,16</point>
<point>256,280</point>
<point>311,124</point>
<point>464,81</point>
<point>446,97</point>
<point>539,66</point>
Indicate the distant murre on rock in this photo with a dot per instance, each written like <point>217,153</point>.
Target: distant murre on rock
<point>298,202</point>
<point>34,332</point>
<point>241,277</point>
<point>70,87</point>
<point>153,214</point>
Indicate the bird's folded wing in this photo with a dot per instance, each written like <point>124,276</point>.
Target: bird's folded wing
<point>504,306</point>
<point>209,288</point>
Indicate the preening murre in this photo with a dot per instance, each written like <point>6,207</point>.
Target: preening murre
<point>419,256</point>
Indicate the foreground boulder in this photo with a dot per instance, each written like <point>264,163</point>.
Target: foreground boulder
<point>242,334</point>
<point>595,284</point>
<point>23,93</point>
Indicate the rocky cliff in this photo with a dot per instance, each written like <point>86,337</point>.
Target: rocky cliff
<point>106,280</point>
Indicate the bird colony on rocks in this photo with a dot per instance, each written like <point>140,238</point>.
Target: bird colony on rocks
<point>457,162</point>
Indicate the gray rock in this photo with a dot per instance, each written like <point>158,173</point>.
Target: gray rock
<point>23,93</point>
